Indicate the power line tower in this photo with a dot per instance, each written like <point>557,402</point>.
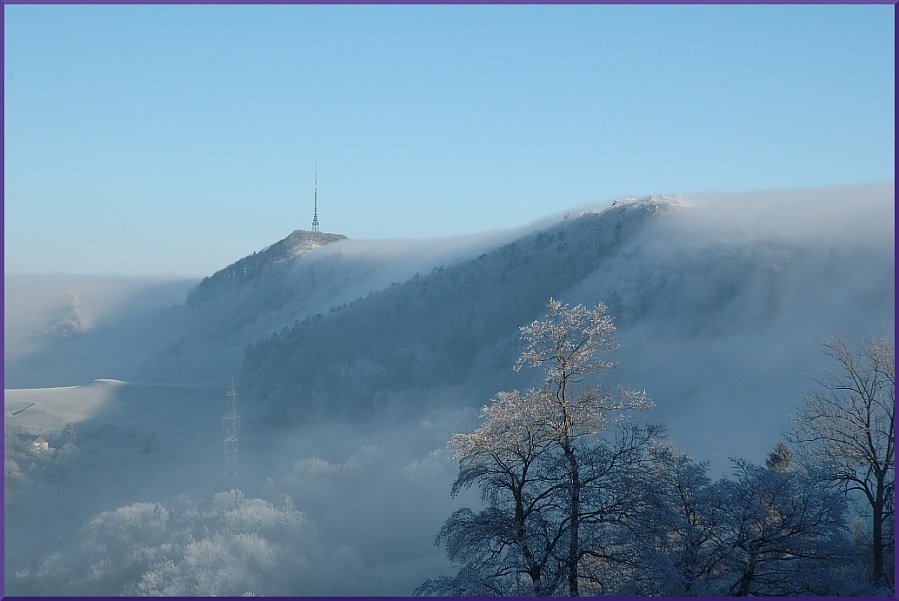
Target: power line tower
<point>315,214</point>
<point>230,424</point>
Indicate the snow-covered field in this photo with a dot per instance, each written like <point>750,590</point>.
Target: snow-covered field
<point>49,409</point>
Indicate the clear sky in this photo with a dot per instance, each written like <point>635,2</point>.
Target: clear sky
<point>178,139</point>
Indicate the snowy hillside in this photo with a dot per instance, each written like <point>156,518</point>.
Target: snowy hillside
<point>251,268</point>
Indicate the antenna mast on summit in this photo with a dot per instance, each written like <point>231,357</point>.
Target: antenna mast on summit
<point>315,214</point>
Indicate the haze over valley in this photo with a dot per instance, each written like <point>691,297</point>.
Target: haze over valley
<point>356,361</point>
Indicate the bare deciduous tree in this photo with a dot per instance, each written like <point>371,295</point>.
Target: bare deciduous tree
<point>848,426</point>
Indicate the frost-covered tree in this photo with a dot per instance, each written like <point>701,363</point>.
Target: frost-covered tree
<point>848,425</point>
<point>611,495</point>
<point>518,543</point>
<point>569,344</point>
<point>783,532</point>
<point>677,531</point>
<point>507,458</point>
<point>225,545</point>
<point>545,475</point>
<point>762,532</point>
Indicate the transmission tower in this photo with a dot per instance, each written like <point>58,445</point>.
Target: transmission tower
<point>315,214</point>
<point>230,424</point>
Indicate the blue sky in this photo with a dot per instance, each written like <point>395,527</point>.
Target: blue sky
<point>178,139</point>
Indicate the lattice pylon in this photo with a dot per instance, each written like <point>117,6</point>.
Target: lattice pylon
<point>230,425</point>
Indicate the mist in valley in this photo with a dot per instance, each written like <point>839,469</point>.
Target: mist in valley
<point>355,362</point>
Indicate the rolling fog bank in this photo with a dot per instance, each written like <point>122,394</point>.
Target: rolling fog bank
<point>355,362</point>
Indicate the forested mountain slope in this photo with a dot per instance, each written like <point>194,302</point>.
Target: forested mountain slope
<point>455,329</point>
<point>448,327</point>
<point>305,274</point>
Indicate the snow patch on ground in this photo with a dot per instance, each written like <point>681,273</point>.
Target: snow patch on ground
<point>306,245</point>
<point>52,408</point>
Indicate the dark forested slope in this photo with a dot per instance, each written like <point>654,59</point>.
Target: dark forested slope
<point>674,275</point>
<point>444,328</point>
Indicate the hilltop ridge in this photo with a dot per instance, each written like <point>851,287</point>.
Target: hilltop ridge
<point>294,246</point>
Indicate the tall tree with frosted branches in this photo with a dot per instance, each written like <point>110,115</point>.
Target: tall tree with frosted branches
<point>848,425</point>
<point>569,344</point>
<point>509,459</point>
<point>542,471</point>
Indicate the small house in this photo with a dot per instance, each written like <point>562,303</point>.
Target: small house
<point>39,445</point>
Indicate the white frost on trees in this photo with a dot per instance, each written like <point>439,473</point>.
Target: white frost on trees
<point>578,500</point>
<point>539,464</point>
